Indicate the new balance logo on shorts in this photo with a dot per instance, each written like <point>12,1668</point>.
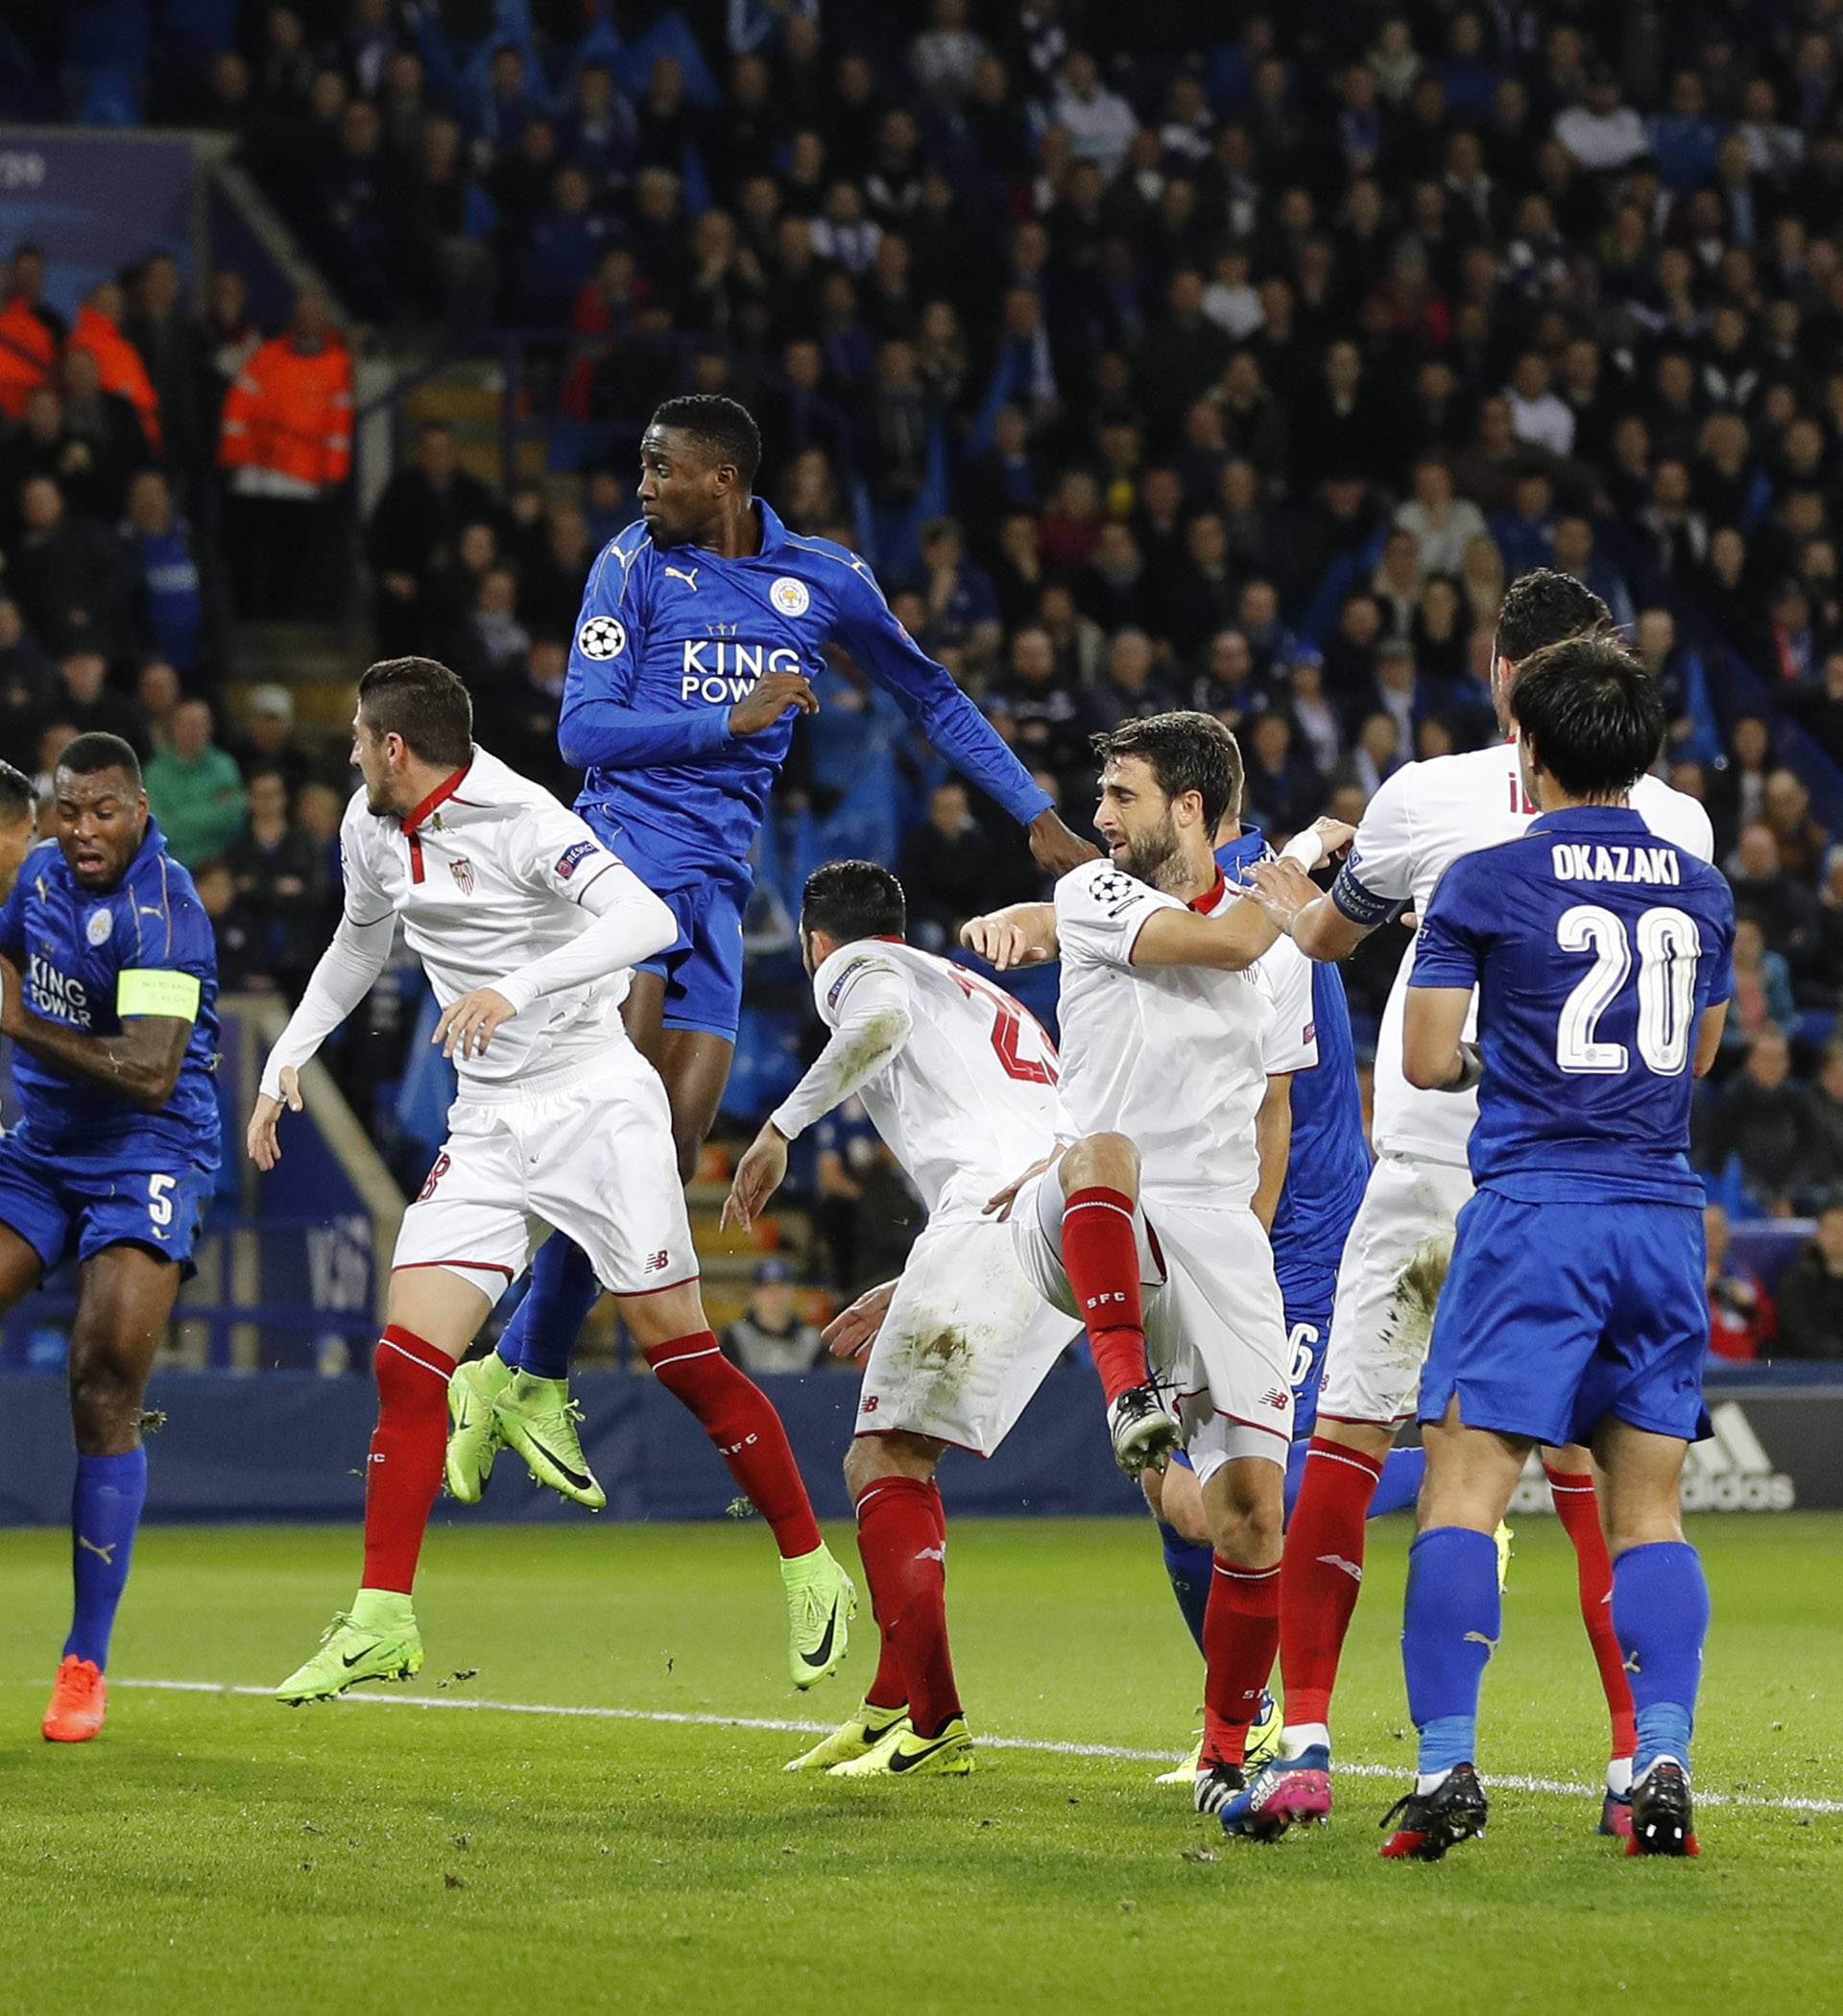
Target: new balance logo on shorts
<point>654,1263</point>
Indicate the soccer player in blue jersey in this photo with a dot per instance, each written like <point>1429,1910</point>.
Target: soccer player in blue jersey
<point>108,997</point>
<point>1574,1311</point>
<point>703,632</point>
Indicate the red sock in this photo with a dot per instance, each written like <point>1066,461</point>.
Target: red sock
<point>407,1445</point>
<point>1578,1508</point>
<point>1101,1259</point>
<point>1321,1573</point>
<point>740,1419</point>
<point>1240,1636</point>
<point>902,1539</point>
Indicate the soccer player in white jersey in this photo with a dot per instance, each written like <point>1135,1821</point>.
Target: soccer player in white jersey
<point>960,1081</point>
<point>1423,819</point>
<point>1143,1227</point>
<point>526,925</point>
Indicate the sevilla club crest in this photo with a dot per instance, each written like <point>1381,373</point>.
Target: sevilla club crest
<point>462,872</point>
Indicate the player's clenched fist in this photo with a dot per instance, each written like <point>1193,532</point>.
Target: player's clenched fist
<point>1000,941</point>
<point>467,1025</point>
<point>263,1139</point>
<point>769,699</point>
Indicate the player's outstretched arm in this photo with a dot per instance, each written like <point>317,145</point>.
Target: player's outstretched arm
<point>141,1064</point>
<point>1230,942</point>
<point>1714,1019</point>
<point>348,970</point>
<point>1022,934</point>
<point>1274,1144</point>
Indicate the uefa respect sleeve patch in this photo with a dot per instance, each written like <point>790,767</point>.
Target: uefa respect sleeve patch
<point>146,991</point>
<point>572,859</point>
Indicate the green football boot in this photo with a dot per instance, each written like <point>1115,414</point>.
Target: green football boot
<point>538,1418</point>
<point>902,1754</point>
<point>376,1640</point>
<point>821,1600</point>
<point>473,1435</point>
<point>859,1734</point>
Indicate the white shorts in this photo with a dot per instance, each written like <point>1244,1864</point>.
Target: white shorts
<point>1214,1329</point>
<point>593,1159</point>
<point>966,1342</point>
<point>1387,1285</point>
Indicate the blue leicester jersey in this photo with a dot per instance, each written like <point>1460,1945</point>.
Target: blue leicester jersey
<point>1327,1162</point>
<point>144,947</point>
<point>671,639</point>
<point>1596,946</point>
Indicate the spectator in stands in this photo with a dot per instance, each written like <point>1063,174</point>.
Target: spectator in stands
<point>158,690</point>
<point>1762,995</point>
<point>1743,1321</point>
<point>286,438</point>
<point>26,681</point>
<point>266,738</point>
<point>1785,907</point>
<point>196,790</point>
<point>963,624</point>
<point>770,1335</point>
<point>162,559</point>
<point>1039,714</point>
<point>31,335</point>
<point>71,580</point>
<point>1810,1293</point>
<point>280,874</point>
<point>118,372</point>
<point>102,428</point>
<point>169,347</point>
<point>412,533</point>
<point>241,968</point>
<point>1443,524</point>
<point>945,867</point>
<point>1801,842</point>
<point>87,704</point>
<point>1761,1125</point>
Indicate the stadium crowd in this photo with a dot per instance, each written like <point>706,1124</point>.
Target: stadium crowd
<point>1170,356</point>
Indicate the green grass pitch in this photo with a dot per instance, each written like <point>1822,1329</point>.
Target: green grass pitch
<point>214,1852</point>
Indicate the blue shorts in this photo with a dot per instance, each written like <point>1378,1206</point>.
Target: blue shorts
<point>1309,1336</point>
<point>703,972</point>
<point>68,1208</point>
<point>1555,1315</point>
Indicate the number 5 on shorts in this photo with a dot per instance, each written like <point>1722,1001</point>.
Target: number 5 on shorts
<point>159,1206</point>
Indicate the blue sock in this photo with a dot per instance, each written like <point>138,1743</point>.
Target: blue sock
<point>1661,1616</point>
<point>1449,1626</point>
<point>105,1509</point>
<point>1399,1484</point>
<point>1188,1564</point>
<point>545,1325</point>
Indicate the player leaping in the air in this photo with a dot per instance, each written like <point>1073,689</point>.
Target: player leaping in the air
<point>109,971</point>
<point>961,1083</point>
<point>1425,817</point>
<point>704,632</point>
<point>1143,1227</point>
<point>1599,956</point>
<point>526,927</point>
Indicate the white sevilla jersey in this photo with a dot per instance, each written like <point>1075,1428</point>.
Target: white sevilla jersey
<point>968,1102</point>
<point>1173,1057</point>
<point>488,875</point>
<point>1423,819</point>
<point>1284,976</point>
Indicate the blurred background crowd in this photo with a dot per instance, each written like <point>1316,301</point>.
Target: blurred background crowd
<point>1186,354</point>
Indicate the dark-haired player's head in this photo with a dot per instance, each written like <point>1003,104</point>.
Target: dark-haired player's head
<point>99,810</point>
<point>847,900</point>
<point>1540,607</point>
<point>1590,722</point>
<point>698,461</point>
<point>19,825</point>
<point>1168,782</point>
<point>413,727</point>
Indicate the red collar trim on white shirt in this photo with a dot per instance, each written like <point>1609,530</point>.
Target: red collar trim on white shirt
<point>1211,897</point>
<point>413,820</point>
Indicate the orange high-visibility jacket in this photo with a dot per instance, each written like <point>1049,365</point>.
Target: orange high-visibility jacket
<point>28,357</point>
<point>291,412</point>
<point>118,364</point>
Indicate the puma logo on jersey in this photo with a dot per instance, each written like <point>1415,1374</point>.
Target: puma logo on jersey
<point>687,575</point>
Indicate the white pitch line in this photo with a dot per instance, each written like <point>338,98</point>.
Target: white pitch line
<point>1560,1788</point>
